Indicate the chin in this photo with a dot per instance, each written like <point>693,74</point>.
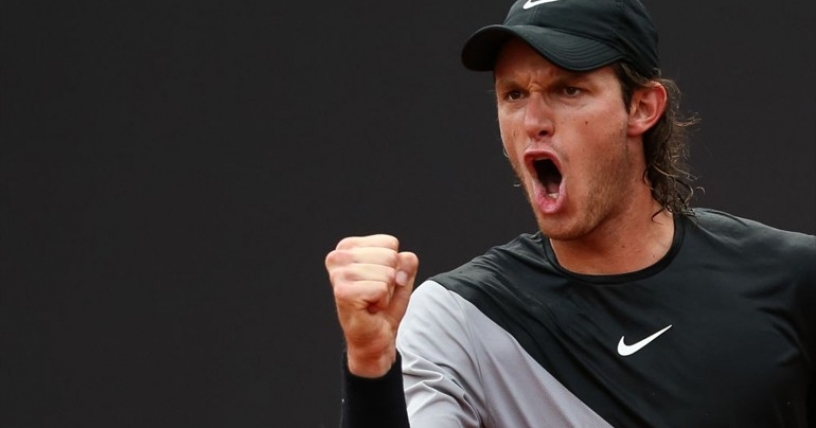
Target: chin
<point>559,229</point>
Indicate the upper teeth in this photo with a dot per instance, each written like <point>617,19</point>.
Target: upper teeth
<point>552,195</point>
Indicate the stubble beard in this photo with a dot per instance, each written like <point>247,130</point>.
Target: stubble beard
<point>606,197</point>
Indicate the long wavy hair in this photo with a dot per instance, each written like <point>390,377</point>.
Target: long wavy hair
<point>665,145</point>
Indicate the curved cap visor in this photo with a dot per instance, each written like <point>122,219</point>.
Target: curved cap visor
<point>565,50</point>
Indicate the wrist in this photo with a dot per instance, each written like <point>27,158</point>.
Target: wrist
<point>370,366</point>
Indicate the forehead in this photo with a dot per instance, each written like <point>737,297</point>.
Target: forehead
<point>516,56</point>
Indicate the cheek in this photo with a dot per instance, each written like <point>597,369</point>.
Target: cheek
<point>511,150</point>
<point>510,129</point>
<point>504,126</point>
<point>508,136</point>
<point>511,153</point>
<point>603,129</point>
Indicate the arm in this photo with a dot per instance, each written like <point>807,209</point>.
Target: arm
<point>372,284</point>
<point>437,376</point>
<point>373,403</point>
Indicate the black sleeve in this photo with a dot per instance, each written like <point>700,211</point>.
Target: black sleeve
<point>370,403</point>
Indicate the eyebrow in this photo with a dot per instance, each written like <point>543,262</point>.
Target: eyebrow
<point>562,77</point>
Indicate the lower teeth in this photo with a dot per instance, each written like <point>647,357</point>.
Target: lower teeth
<point>552,195</point>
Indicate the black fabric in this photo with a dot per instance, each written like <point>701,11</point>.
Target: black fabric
<point>739,298</point>
<point>578,35</point>
<point>373,403</point>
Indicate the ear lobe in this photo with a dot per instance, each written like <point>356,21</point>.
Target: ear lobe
<point>647,106</point>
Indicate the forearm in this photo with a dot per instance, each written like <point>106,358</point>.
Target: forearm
<point>378,402</point>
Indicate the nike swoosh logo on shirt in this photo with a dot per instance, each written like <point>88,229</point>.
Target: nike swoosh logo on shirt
<point>625,350</point>
<point>531,3</point>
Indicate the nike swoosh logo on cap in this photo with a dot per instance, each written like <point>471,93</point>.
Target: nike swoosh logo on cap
<point>531,3</point>
<point>625,350</point>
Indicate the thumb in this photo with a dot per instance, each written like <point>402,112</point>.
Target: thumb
<point>406,275</point>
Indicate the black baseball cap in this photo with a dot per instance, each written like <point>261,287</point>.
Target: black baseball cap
<point>578,35</point>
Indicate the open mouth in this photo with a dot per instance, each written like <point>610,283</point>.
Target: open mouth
<point>549,176</point>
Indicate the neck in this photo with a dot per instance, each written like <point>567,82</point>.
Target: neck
<point>625,245</point>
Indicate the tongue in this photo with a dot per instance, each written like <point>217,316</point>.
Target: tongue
<point>551,186</point>
<point>551,181</point>
<point>548,176</point>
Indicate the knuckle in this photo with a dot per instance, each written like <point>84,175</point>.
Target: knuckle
<point>337,257</point>
<point>389,241</point>
<point>390,275</point>
<point>347,242</point>
<point>336,277</point>
<point>409,260</point>
<point>342,292</point>
<point>383,256</point>
<point>331,259</point>
<point>392,258</point>
<point>378,240</point>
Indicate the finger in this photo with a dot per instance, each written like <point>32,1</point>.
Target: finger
<point>367,272</point>
<point>365,255</point>
<point>404,278</point>
<point>380,240</point>
<point>408,265</point>
<point>369,295</point>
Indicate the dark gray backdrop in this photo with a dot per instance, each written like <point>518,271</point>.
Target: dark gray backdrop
<point>174,172</point>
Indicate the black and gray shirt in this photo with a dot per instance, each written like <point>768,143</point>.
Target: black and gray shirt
<point>721,332</point>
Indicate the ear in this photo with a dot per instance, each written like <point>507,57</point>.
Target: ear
<point>646,108</point>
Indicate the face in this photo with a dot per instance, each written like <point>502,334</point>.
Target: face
<point>569,140</point>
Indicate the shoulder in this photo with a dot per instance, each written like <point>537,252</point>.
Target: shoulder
<point>749,240</point>
<point>743,231</point>
<point>523,254</point>
<point>501,283</point>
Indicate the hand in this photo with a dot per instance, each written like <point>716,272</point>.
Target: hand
<point>372,284</point>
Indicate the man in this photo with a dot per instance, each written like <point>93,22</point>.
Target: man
<point>628,308</point>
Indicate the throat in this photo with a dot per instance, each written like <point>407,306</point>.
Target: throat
<point>617,253</point>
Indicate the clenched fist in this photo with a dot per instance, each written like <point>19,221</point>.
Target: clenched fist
<point>372,282</point>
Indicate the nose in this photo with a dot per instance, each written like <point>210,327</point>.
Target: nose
<point>538,121</point>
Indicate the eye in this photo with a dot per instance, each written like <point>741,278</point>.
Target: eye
<point>572,91</point>
<point>513,95</point>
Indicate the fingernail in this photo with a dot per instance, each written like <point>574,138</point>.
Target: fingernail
<point>402,277</point>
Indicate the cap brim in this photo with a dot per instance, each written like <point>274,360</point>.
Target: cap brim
<point>565,50</point>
